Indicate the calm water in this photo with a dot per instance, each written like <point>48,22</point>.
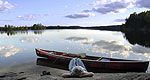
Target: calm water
<point>19,47</point>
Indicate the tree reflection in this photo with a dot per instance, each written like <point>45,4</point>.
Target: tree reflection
<point>138,37</point>
<point>38,31</point>
<point>11,33</point>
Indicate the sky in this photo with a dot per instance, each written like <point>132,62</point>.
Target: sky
<point>69,12</point>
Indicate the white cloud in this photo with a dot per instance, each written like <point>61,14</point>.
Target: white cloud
<point>6,51</point>
<point>5,6</point>
<point>80,15</point>
<point>28,17</point>
<point>32,16</point>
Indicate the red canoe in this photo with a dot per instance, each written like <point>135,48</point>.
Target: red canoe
<point>101,64</point>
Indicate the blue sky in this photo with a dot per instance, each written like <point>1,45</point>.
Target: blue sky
<point>69,12</point>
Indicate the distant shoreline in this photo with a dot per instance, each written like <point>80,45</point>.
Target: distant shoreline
<point>110,28</point>
<point>25,28</point>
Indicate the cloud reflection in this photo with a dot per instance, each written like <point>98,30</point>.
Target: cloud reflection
<point>112,47</point>
<point>30,39</point>
<point>140,49</point>
<point>6,51</point>
<point>80,39</point>
<point>116,47</point>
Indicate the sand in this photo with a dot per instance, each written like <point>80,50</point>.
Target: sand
<point>31,71</point>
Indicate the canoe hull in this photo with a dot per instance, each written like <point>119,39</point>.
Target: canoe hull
<point>112,66</point>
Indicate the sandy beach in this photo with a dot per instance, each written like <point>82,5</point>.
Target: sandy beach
<point>31,71</point>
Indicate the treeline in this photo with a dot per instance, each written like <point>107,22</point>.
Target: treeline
<point>35,27</point>
<point>139,21</point>
<point>22,28</point>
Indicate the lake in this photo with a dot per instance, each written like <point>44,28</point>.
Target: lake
<point>19,47</point>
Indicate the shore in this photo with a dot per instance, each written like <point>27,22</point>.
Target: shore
<point>31,71</point>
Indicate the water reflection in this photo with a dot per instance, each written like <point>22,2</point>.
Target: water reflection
<point>38,31</point>
<point>138,37</point>
<point>11,33</point>
<point>30,39</point>
<point>80,39</point>
<point>58,65</point>
<point>6,51</point>
<point>92,42</point>
<point>112,47</point>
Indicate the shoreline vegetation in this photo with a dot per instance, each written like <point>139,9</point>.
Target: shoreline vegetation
<point>137,22</point>
<point>42,27</point>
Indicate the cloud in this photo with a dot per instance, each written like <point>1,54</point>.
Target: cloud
<point>30,39</point>
<point>80,15</point>
<point>111,6</point>
<point>6,51</point>
<point>119,20</point>
<point>80,39</point>
<point>32,16</point>
<point>143,3</point>
<point>117,6</point>
<point>28,17</point>
<point>5,6</point>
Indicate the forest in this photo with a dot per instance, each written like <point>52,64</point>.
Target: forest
<point>139,21</point>
<point>22,28</point>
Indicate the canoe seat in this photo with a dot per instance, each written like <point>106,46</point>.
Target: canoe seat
<point>82,55</point>
<point>99,59</point>
<point>103,60</point>
<point>52,52</point>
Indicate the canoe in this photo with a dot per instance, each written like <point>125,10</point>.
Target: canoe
<point>100,64</point>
